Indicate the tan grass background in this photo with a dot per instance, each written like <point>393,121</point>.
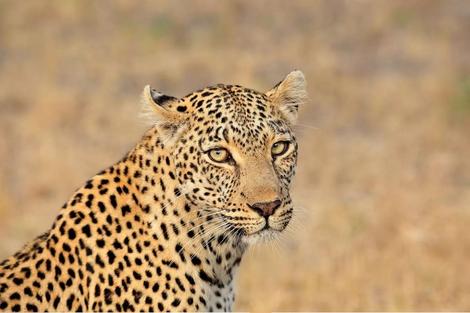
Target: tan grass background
<point>383,185</point>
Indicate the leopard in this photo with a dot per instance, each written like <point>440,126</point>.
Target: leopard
<point>165,227</point>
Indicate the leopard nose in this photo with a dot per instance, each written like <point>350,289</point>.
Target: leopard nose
<point>265,209</point>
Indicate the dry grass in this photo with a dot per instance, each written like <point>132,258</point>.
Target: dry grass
<point>384,174</point>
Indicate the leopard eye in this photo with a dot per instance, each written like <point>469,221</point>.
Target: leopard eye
<point>279,148</point>
<point>219,155</point>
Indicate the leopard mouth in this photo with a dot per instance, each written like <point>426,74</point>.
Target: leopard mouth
<point>269,228</point>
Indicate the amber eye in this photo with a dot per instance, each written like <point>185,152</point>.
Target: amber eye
<point>279,148</point>
<point>219,155</point>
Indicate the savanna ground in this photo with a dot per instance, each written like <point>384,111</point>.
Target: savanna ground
<point>383,184</point>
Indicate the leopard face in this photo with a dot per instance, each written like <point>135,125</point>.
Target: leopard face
<point>235,154</point>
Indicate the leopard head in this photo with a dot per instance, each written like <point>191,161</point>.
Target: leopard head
<point>234,152</point>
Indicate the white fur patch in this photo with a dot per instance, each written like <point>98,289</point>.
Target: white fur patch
<point>263,236</point>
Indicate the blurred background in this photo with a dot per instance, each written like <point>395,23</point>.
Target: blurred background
<point>383,183</point>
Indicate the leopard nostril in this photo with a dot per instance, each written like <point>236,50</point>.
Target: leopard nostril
<point>266,209</point>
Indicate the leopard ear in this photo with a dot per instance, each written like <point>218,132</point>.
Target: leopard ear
<point>288,94</point>
<point>164,113</point>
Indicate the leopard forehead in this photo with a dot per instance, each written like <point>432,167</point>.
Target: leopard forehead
<point>241,104</point>
<point>245,115</point>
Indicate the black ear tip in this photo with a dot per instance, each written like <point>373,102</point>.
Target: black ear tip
<point>160,98</point>
<point>155,94</point>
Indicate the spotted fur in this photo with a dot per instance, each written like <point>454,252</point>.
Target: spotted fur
<point>165,228</point>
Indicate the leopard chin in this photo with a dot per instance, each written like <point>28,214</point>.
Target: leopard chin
<point>263,236</point>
